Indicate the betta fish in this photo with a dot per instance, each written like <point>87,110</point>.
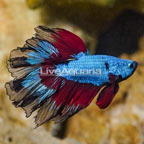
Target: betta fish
<point>56,75</point>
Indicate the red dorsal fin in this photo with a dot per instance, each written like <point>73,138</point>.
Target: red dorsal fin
<point>106,96</point>
<point>67,43</point>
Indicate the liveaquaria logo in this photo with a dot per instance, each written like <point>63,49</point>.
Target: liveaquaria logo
<point>69,72</point>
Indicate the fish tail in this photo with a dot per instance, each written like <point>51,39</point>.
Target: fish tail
<point>29,87</point>
<point>35,88</point>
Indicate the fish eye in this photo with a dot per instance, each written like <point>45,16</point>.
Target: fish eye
<point>130,65</point>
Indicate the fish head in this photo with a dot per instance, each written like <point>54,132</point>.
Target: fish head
<point>122,69</point>
<point>119,70</point>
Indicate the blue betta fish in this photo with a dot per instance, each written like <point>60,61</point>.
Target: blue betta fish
<point>54,73</point>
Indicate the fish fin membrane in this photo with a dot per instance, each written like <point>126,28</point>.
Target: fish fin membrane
<point>106,96</point>
<point>50,94</point>
<point>65,42</point>
<point>69,100</point>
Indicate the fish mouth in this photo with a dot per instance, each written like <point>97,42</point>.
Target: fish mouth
<point>119,78</point>
<point>136,64</point>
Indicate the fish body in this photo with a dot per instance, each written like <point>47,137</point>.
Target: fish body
<point>55,73</point>
<point>95,69</point>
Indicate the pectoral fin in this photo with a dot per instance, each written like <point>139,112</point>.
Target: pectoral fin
<point>106,96</point>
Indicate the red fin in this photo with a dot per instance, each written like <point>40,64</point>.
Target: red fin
<point>72,41</point>
<point>106,96</point>
<point>64,41</point>
<point>53,106</point>
<point>80,97</point>
<point>67,101</point>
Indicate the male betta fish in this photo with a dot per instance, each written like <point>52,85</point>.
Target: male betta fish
<point>54,73</point>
